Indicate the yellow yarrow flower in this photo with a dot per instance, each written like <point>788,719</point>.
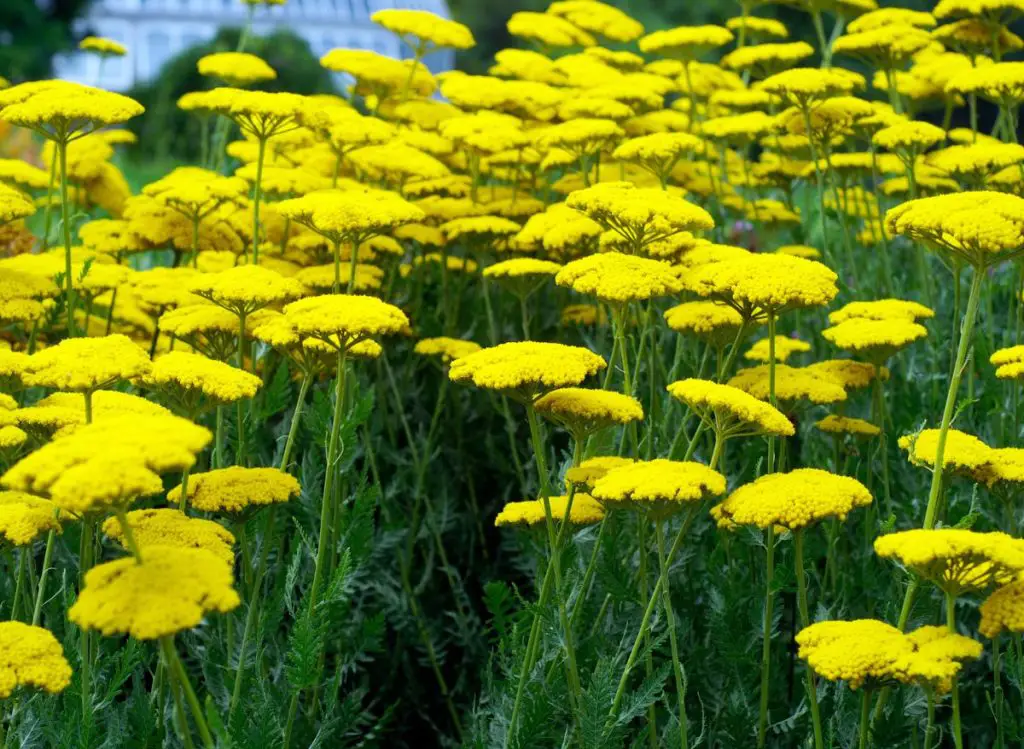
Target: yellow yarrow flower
<point>794,500</point>
<point>849,374</point>
<point>103,46</point>
<point>235,68</point>
<point>598,18</point>
<point>24,518</point>
<point>591,469</point>
<point>339,320</point>
<point>883,17</point>
<point>245,288</point>
<point>234,489</point>
<point>169,592</point>
<point>1003,611</point>
<point>445,348</point>
<point>876,340</point>
<point>548,30</point>
<point>167,527</point>
<point>619,279</point>
<point>964,453</point>
<point>881,309</point>
<point>195,383</point>
<point>712,322</point>
<point>764,60</point>
<point>33,658</point>
<point>585,511</point>
<point>685,42</point>
<point>785,347</point>
<point>802,87</point>
<point>791,384</point>
<point>86,364</point>
<point>729,411</point>
<point>14,205</point>
<point>833,424</point>
<point>351,216</point>
<point>583,412</point>
<point>526,370</point>
<point>424,31</point>
<point>660,486</point>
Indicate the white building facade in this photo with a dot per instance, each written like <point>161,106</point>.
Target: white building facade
<point>154,31</point>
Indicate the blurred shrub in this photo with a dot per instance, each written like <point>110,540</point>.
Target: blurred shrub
<point>168,132</point>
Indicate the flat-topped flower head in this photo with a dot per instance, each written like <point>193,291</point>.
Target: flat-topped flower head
<point>785,347</point>
<point>235,68</point>
<point>729,411</point>
<point>757,29</point>
<point>86,364</point>
<point>559,231</point>
<point>171,527</point>
<point>598,18</point>
<point>261,114</point>
<point>802,87</point>
<point>909,139</point>
<point>712,322</point>
<point>1001,82</point>
<point>526,370</point>
<point>658,153</point>
<point>833,424</point>
<point>246,288</point>
<point>479,229</point>
<point>423,30</point>
<point>640,215</point>
<point>591,469</point>
<point>876,340</point>
<point>886,47</point>
<point>209,329</point>
<point>794,500</point>
<point>964,453</point>
<point>764,60</point>
<point>321,278</point>
<point>548,30</point>
<point>956,560</point>
<point>62,111</point>
<point>739,129</point>
<point>975,164</point>
<point>883,17</point>
<point>660,486</point>
<point>33,659</point>
<point>522,275</point>
<point>792,384</point>
<point>109,462</point>
<point>102,46</point>
<point>444,348</point>
<point>171,591</point>
<point>24,517</point>
<point>1009,362</point>
<point>685,42</point>
<point>872,653</point>
<point>14,205</point>
<point>234,489</point>
<point>194,383</point>
<point>585,511</point>
<point>616,278</point>
<point>395,162</point>
<point>351,216</point>
<point>763,284</point>
<point>881,309</point>
<point>1003,611</point>
<point>379,75</point>
<point>342,320</point>
<point>583,411</point>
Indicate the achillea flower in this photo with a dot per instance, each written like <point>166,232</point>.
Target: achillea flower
<point>396,162</point>
<point>338,320</point>
<point>102,46</point>
<point>685,42</point>
<point>877,19</point>
<point>729,411</point>
<point>974,38</point>
<point>424,31</point>
<point>640,215</point>
<point>791,384</point>
<point>195,383</point>
<point>763,60</point>
<point>233,489</point>
<point>618,279</point>
<point>973,164</point>
<point>235,68</point>
<point>105,404</point>
<point>794,500</point>
<point>527,369</point>
<point>33,658</point>
<point>59,110</point>
<point>712,322</point>
<point>758,28</point>
<point>785,347</point>
<point>320,278</point>
<point>592,469</point>
<point>982,228</point>
<point>585,511</point>
<point>1003,611</point>
<point>24,518</point>
<point>109,462</point>
<point>1009,362</point>
<point>876,340</point>
<point>446,349</point>
<point>873,653</point>
<point>479,229</point>
<point>911,137</point>
<point>833,424</point>
<point>658,152</point>
<point>802,87</point>
<point>964,453</point>
<point>560,230</point>
<point>849,374</point>
<point>738,128</point>
<point>800,250</point>
<point>14,205</point>
<point>881,309</point>
<point>379,75</point>
<point>86,364</point>
<point>171,527</point>
<point>1004,465</point>
<point>453,263</point>
<point>599,19</point>
<point>583,314</point>
<point>351,216</point>
<point>886,46</point>
<point>548,30</point>
<point>956,560</point>
<point>246,288</point>
<point>583,412</point>
<point>171,591</point>
<point>579,137</point>
<point>660,486</point>
<point>763,284</point>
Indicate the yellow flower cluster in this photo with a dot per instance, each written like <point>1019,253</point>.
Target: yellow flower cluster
<point>235,68</point>
<point>833,424</point>
<point>582,411</point>
<point>235,488</point>
<point>445,348</point>
<point>794,500</point>
<point>616,278</point>
<point>24,518</point>
<point>584,511</point>
<point>86,364</point>
<point>591,469</point>
<point>791,384</point>
<point>526,369</point>
<point>729,410</point>
<point>166,527</point>
<point>785,347</point>
<point>192,379</point>
<point>956,560</point>
<point>661,486</point>
<point>32,657</point>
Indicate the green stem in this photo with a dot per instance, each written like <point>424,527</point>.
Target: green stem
<point>958,738</point>
<point>257,195</point>
<point>183,501</point>
<point>652,717</point>
<point>65,219</point>
<point>17,560</point>
<point>929,726</point>
<point>48,211</point>
<point>771,385</point>
<point>865,722</point>
<point>766,642</point>
<point>37,612</point>
<point>670,621</point>
<point>997,688</point>
<point>805,621</point>
<point>178,674</point>
<point>129,535</point>
<point>293,429</point>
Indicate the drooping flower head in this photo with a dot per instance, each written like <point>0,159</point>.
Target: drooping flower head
<point>526,370</point>
<point>169,592</point>
<point>233,489</point>
<point>794,500</point>
<point>660,486</point>
<point>729,411</point>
